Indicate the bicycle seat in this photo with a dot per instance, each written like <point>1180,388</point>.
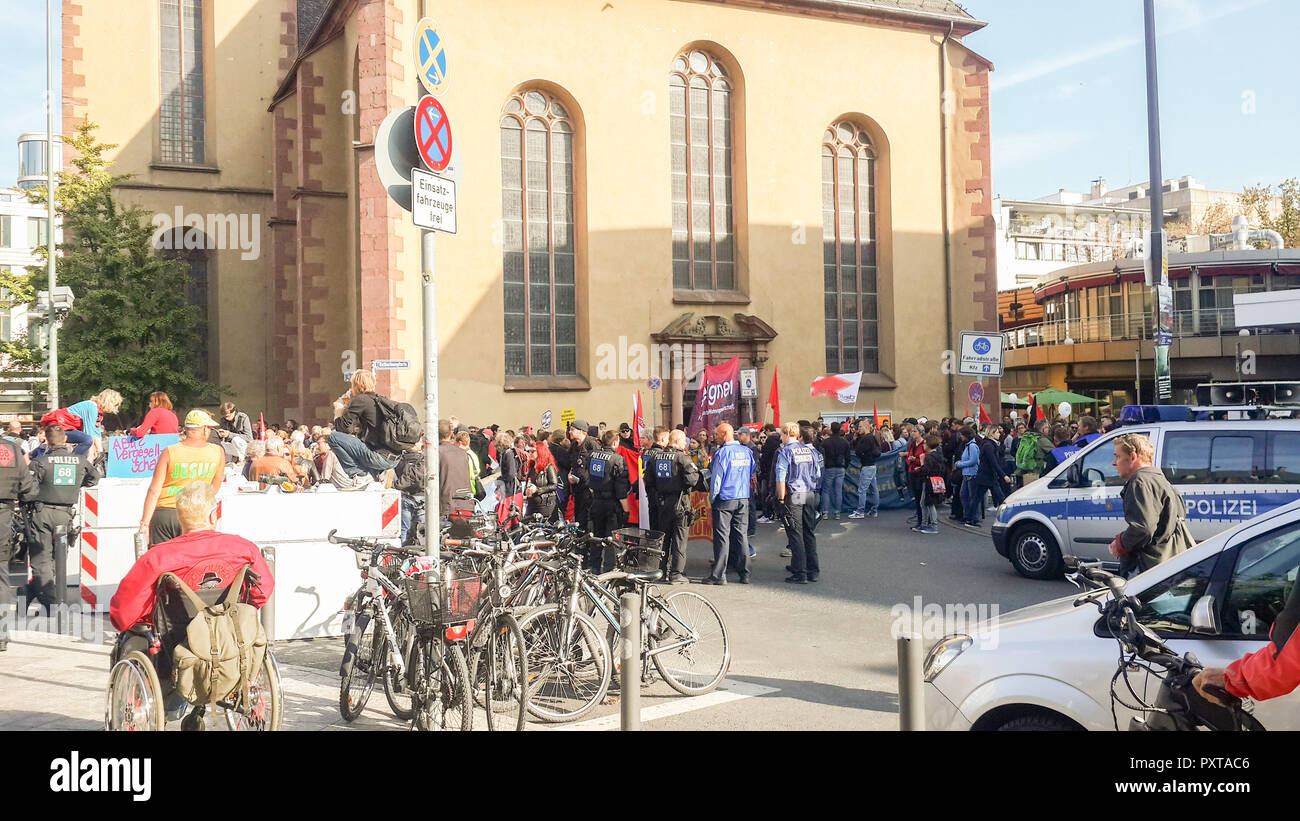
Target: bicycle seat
<point>643,575</point>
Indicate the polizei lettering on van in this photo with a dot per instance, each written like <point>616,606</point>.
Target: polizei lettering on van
<point>1221,507</point>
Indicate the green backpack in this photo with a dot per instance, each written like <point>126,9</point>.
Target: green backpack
<point>1027,454</point>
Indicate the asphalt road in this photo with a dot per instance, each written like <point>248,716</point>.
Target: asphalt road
<point>818,656</point>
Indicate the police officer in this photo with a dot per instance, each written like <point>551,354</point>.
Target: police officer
<point>730,474</point>
<point>674,476</point>
<point>608,478</point>
<point>15,481</point>
<point>579,487</point>
<point>798,482</point>
<point>659,447</point>
<point>58,475</point>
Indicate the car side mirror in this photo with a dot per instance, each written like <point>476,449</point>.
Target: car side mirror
<point>1090,481</point>
<point>1205,617</point>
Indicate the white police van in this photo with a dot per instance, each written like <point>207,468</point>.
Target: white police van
<point>1227,471</point>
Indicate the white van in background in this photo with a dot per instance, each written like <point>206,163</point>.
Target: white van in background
<point>1226,471</point>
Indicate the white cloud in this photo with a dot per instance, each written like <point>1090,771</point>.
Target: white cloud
<point>1172,17</point>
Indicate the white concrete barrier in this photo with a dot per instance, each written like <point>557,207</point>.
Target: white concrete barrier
<point>313,578</point>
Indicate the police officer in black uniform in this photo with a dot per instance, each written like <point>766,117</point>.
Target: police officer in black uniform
<point>579,458</point>
<point>674,475</point>
<point>608,477</point>
<point>14,481</point>
<point>657,448</point>
<point>58,476</point>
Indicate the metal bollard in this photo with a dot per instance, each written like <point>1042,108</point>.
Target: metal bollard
<point>911,693</point>
<point>141,542</point>
<point>60,547</point>
<point>268,609</point>
<point>629,623</point>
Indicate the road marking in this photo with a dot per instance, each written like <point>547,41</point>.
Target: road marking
<point>727,692</point>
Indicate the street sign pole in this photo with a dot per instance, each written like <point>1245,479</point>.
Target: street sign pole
<point>429,295</point>
<point>1156,246</point>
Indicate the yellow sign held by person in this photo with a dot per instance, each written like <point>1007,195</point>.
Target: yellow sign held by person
<point>567,416</point>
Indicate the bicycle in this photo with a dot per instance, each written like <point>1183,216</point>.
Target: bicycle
<point>398,653</point>
<point>1178,706</point>
<point>498,664</point>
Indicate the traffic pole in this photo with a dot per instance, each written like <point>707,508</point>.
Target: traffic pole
<point>52,383</point>
<point>911,704</point>
<point>629,677</point>
<point>267,613</point>
<point>429,296</point>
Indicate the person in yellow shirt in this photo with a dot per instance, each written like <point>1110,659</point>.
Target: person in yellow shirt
<point>190,460</point>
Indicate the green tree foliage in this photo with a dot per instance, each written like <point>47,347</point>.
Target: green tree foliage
<point>1257,205</point>
<point>131,327</point>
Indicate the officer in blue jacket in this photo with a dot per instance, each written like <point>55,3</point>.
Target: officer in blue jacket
<point>729,478</point>
<point>798,482</point>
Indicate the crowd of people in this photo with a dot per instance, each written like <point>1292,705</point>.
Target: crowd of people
<point>589,474</point>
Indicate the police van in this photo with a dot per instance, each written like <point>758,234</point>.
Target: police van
<point>1227,471</point>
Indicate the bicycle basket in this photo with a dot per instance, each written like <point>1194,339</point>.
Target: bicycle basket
<point>454,600</point>
<point>640,549</point>
<point>465,524</point>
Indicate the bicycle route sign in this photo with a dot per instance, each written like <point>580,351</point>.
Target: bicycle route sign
<point>981,354</point>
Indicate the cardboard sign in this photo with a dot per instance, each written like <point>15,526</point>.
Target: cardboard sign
<point>567,416</point>
<point>131,458</point>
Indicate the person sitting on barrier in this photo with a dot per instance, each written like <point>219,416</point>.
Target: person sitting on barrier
<point>190,460</point>
<point>276,462</point>
<point>160,418</point>
<point>90,412</point>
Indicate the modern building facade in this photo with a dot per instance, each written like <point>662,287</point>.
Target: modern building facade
<point>1089,329</point>
<point>804,184</point>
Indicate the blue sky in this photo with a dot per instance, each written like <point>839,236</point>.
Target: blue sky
<point>1069,93</point>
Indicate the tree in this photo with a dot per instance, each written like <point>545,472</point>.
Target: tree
<point>1260,203</point>
<point>131,326</point>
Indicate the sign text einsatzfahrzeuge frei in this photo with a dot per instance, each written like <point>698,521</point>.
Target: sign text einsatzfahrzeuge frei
<point>433,202</point>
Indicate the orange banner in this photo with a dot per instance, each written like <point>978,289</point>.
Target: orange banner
<point>702,524</point>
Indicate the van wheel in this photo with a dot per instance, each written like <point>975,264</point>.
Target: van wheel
<point>1034,553</point>
<point>1038,723</point>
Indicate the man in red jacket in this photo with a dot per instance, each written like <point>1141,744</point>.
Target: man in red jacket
<point>201,557</point>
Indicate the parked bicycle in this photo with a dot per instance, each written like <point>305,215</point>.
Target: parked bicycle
<point>386,641</point>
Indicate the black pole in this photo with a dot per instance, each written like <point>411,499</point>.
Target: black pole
<point>1156,247</point>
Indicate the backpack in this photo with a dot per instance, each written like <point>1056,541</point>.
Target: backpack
<point>399,426</point>
<point>1027,454</point>
<point>63,418</point>
<point>224,647</point>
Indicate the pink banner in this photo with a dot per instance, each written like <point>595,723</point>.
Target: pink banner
<point>717,399</point>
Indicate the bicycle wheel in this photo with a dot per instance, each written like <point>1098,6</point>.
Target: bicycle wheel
<point>439,692</point>
<point>504,668</point>
<point>265,701</point>
<point>135,699</point>
<point>362,656</point>
<point>701,662</point>
<point>564,682</point>
<point>396,689</point>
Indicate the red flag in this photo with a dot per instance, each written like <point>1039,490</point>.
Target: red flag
<point>642,517</point>
<point>1035,412</point>
<point>875,417</point>
<point>984,417</point>
<point>774,399</point>
<point>967,413</point>
<point>261,421</point>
